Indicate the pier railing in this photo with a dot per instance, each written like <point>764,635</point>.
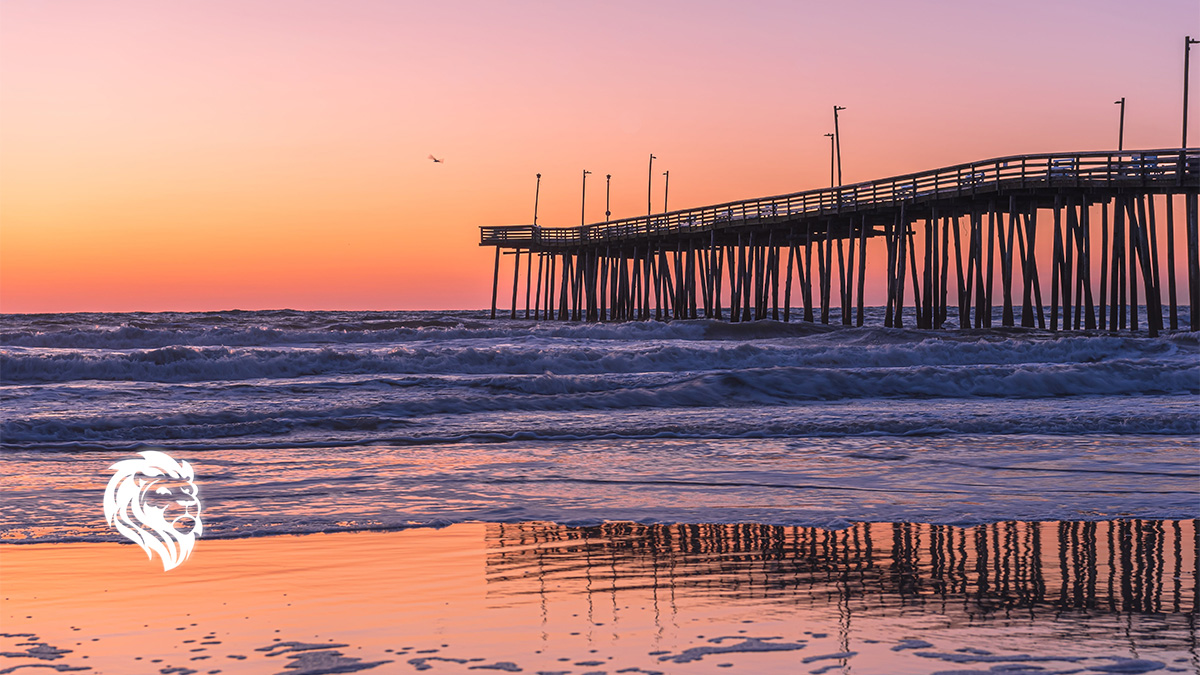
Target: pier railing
<point>1140,169</point>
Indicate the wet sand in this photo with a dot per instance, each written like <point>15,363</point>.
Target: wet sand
<point>1117,596</point>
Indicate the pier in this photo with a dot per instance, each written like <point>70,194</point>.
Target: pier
<point>976,228</point>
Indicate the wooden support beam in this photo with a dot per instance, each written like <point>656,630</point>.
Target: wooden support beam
<point>690,279</point>
<point>537,294</point>
<point>889,240</point>
<point>1146,206</point>
<point>1029,277</point>
<point>1118,297</point>
<point>917,290</point>
<point>550,277</point>
<point>659,272</point>
<point>714,275</point>
<point>1192,200</point>
<point>577,264</point>
<point>806,285</point>
<point>1006,262</point>
<point>749,289</point>
<point>962,287</point>
<point>671,273</point>
<point>495,281</point>
<point>900,229</point>
<point>1056,263</point>
<point>929,274</point>
<point>564,289</point>
<point>787,286</point>
<point>843,281</point>
<point>862,269</point>
<point>756,274</point>
<point>602,288</point>
<point>1149,278</point>
<point>736,257</point>
<point>591,283</point>
<point>516,277</point>
<point>1069,277</point>
<point>990,277</point>
<point>975,267</point>
<point>935,276</point>
<point>1068,264</point>
<point>773,272</point>
<point>1171,298</point>
<point>1103,315</point>
<point>1131,250</point>
<point>1085,266</point>
<point>1031,223</point>
<point>528,282</point>
<point>826,263</point>
<point>687,293</point>
<point>647,271</point>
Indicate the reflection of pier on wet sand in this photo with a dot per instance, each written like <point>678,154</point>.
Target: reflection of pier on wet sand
<point>1141,566</point>
<point>879,598</point>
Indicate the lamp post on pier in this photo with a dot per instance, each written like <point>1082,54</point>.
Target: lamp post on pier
<point>607,196</point>
<point>831,183</point>
<point>583,200</point>
<point>837,140</point>
<point>537,191</point>
<point>666,188</point>
<point>1187,57</point>
<point>1121,133</point>
<point>649,183</point>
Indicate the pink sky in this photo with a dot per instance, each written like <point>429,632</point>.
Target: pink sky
<point>274,154</point>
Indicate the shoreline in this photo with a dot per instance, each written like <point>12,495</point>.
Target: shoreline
<point>210,535</point>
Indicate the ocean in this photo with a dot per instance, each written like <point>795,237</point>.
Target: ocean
<point>757,471</point>
<point>350,420</point>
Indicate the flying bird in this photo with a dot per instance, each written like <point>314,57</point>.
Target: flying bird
<point>435,159</point>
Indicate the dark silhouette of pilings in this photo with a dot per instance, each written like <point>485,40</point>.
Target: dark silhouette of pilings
<point>732,260</point>
<point>1139,566</point>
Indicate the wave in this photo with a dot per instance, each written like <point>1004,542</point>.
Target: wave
<point>264,329</point>
<point>1153,425</point>
<point>871,349</point>
<point>1113,397</point>
<point>285,327</point>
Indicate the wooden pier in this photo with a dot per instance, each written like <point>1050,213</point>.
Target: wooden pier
<point>742,259</point>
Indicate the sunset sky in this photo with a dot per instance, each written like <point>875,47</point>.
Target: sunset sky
<point>253,154</point>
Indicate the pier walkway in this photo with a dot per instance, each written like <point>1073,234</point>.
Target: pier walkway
<point>984,216</point>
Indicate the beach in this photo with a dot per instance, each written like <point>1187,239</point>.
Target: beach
<point>883,598</point>
<point>412,491</point>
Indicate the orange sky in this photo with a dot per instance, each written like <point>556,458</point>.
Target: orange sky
<point>251,154</point>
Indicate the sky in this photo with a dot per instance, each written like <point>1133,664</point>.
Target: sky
<point>256,154</point>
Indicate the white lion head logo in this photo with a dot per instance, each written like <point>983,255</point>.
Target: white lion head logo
<point>154,502</point>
